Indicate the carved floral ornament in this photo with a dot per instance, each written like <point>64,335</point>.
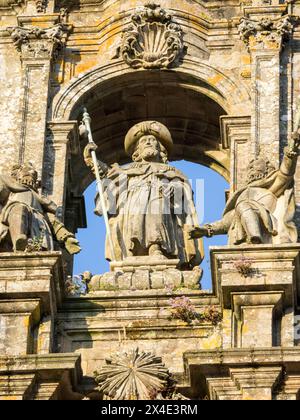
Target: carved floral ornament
<point>136,376</point>
<point>37,42</point>
<point>153,41</point>
<point>266,32</point>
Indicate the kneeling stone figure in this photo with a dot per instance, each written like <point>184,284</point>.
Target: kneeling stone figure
<point>25,215</point>
<point>263,211</point>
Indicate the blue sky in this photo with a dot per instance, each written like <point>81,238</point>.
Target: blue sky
<point>212,200</point>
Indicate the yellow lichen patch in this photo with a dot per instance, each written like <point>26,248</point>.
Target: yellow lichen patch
<point>246,59</point>
<point>26,322</point>
<point>213,342</point>
<point>86,65</point>
<point>245,329</point>
<point>215,80</point>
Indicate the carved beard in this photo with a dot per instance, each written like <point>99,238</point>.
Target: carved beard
<point>149,153</point>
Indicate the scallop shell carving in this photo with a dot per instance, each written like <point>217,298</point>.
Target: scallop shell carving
<point>153,41</point>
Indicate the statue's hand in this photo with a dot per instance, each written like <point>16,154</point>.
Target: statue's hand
<point>199,232</point>
<point>72,246</point>
<point>294,144</point>
<point>89,148</point>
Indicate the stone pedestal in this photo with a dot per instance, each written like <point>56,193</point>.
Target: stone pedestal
<point>147,273</point>
<point>48,377</point>
<point>244,374</point>
<point>259,292</point>
<point>31,289</point>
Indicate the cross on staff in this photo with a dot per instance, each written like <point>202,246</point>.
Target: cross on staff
<point>87,123</point>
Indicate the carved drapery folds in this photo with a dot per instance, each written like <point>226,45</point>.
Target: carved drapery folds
<point>266,33</point>
<point>136,375</point>
<point>153,41</point>
<point>38,43</point>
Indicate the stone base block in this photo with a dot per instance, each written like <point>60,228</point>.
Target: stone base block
<point>260,287</point>
<point>146,273</point>
<point>43,377</point>
<point>244,374</point>
<point>144,278</point>
<point>31,290</point>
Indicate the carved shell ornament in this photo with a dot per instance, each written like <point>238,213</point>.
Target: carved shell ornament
<point>132,376</point>
<point>153,41</point>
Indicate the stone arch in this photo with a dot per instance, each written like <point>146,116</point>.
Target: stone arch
<point>233,97</point>
<point>190,100</point>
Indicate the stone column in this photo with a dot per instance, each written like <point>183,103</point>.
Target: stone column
<point>265,30</point>
<point>236,136</point>
<point>62,141</point>
<point>38,47</point>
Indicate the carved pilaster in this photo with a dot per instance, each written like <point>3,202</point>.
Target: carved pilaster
<point>236,136</point>
<point>62,141</point>
<point>38,47</point>
<point>266,29</point>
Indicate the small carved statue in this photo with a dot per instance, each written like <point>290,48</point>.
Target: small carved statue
<point>26,216</point>
<point>263,211</point>
<point>150,204</point>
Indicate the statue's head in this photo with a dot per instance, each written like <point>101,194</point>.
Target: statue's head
<point>258,169</point>
<point>25,174</point>
<point>149,141</point>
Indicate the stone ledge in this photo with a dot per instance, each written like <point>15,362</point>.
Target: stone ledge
<point>243,374</point>
<point>250,356</point>
<point>53,376</point>
<point>267,262</point>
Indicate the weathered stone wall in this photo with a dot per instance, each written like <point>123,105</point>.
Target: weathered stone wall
<point>230,94</point>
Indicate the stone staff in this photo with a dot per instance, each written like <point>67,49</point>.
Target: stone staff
<point>87,123</point>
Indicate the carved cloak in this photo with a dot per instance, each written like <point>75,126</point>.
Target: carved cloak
<point>140,215</point>
<point>281,219</point>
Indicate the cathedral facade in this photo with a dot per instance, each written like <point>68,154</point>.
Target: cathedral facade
<point>214,82</point>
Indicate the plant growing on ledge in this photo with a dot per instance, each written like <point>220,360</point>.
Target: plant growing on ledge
<point>243,266</point>
<point>35,244</point>
<point>183,309</point>
<point>212,314</point>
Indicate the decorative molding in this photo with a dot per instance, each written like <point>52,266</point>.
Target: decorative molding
<point>153,41</point>
<point>38,43</point>
<point>266,33</point>
<point>136,376</point>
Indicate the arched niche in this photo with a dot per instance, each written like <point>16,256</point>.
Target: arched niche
<point>179,102</point>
